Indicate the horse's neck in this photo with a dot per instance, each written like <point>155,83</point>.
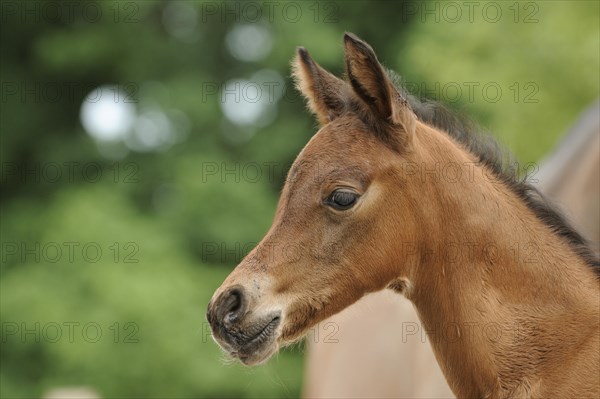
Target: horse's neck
<point>499,294</point>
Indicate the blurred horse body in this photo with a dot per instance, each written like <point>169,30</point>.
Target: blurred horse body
<point>570,175</point>
<point>361,361</point>
<point>371,335</point>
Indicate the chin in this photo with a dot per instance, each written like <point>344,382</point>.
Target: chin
<point>257,357</point>
<point>253,345</point>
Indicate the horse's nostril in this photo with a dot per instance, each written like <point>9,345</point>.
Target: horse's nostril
<point>232,306</point>
<point>234,302</point>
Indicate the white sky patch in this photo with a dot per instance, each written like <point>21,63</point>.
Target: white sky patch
<point>119,125</point>
<point>249,42</point>
<point>242,101</point>
<point>250,104</point>
<point>107,114</point>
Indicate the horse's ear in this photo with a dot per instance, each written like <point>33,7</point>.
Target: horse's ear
<point>323,91</point>
<point>372,84</point>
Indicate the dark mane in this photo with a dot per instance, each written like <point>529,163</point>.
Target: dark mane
<point>501,162</point>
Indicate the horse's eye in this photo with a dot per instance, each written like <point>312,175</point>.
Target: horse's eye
<point>342,199</point>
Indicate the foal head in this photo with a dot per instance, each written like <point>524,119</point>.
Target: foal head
<point>336,230</point>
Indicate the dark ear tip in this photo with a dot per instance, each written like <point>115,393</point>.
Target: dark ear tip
<point>304,55</point>
<point>353,42</point>
<point>350,37</point>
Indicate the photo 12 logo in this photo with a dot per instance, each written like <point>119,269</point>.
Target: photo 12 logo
<point>473,92</point>
<point>70,332</point>
<point>270,11</point>
<point>68,12</point>
<point>471,11</point>
<point>70,172</point>
<point>69,252</point>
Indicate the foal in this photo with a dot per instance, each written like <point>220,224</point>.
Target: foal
<point>384,197</point>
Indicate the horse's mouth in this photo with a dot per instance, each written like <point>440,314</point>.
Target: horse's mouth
<point>254,346</point>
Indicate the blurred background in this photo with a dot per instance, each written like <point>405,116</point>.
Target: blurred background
<point>143,146</point>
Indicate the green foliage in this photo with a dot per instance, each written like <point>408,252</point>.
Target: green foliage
<point>162,296</point>
<point>542,56</point>
<point>152,213</point>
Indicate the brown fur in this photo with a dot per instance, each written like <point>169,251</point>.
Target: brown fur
<point>514,273</point>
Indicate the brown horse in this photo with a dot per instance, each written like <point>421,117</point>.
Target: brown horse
<point>355,352</point>
<point>394,193</point>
